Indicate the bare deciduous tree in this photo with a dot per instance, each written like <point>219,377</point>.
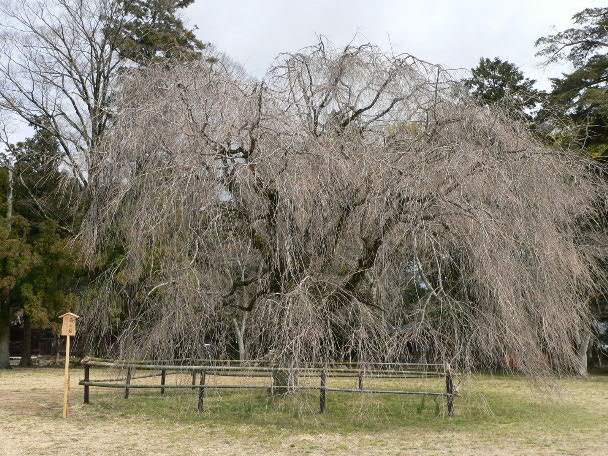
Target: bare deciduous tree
<point>58,65</point>
<point>354,204</point>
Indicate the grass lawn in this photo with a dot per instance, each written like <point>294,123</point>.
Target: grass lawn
<point>495,415</point>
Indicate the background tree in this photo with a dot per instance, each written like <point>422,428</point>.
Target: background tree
<point>576,110</point>
<point>60,59</point>
<point>42,201</point>
<point>154,33</point>
<point>58,72</point>
<point>16,259</point>
<point>50,287</point>
<point>578,103</point>
<point>43,192</point>
<point>499,81</point>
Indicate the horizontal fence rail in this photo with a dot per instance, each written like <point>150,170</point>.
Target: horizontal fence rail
<point>261,363</point>
<point>262,369</point>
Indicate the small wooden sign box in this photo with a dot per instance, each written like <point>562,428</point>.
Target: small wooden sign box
<point>68,329</point>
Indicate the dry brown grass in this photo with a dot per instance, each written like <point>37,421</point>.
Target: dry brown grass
<point>522,424</point>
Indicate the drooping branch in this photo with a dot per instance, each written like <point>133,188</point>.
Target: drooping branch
<point>424,226</point>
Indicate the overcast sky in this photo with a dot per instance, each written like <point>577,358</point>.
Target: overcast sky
<point>454,33</point>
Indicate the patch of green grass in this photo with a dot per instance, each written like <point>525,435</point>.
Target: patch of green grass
<point>487,405</point>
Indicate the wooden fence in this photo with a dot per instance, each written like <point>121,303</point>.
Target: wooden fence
<point>231,368</point>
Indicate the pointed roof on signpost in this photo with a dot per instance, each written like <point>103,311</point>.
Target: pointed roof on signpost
<point>69,314</point>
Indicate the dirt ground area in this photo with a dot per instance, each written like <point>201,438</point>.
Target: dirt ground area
<point>31,424</point>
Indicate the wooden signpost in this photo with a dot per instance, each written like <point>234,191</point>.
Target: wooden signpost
<point>68,329</point>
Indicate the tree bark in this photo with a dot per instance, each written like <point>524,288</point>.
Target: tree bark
<point>5,336</point>
<point>5,305</point>
<point>240,336</point>
<point>26,350</point>
<point>284,380</point>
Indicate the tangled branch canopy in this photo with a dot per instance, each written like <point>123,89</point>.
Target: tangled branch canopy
<point>353,205</point>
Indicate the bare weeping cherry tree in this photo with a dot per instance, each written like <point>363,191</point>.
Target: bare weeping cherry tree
<point>352,205</point>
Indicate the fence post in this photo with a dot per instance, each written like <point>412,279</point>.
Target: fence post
<point>449,389</point>
<point>360,380</point>
<point>322,391</point>
<point>193,379</point>
<point>162,381</point>
<point>86,387</point>
<point>201,392</point>
<point>128,383</point>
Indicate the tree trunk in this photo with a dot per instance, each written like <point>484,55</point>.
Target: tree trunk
<point>57,343</point>
<point>582,345</point>
<point>240,336</point>
<point>5,305</point>
<point>242,353</point>
<point>284,380</point>
<point>5,336</point>
<point>26,350</point>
